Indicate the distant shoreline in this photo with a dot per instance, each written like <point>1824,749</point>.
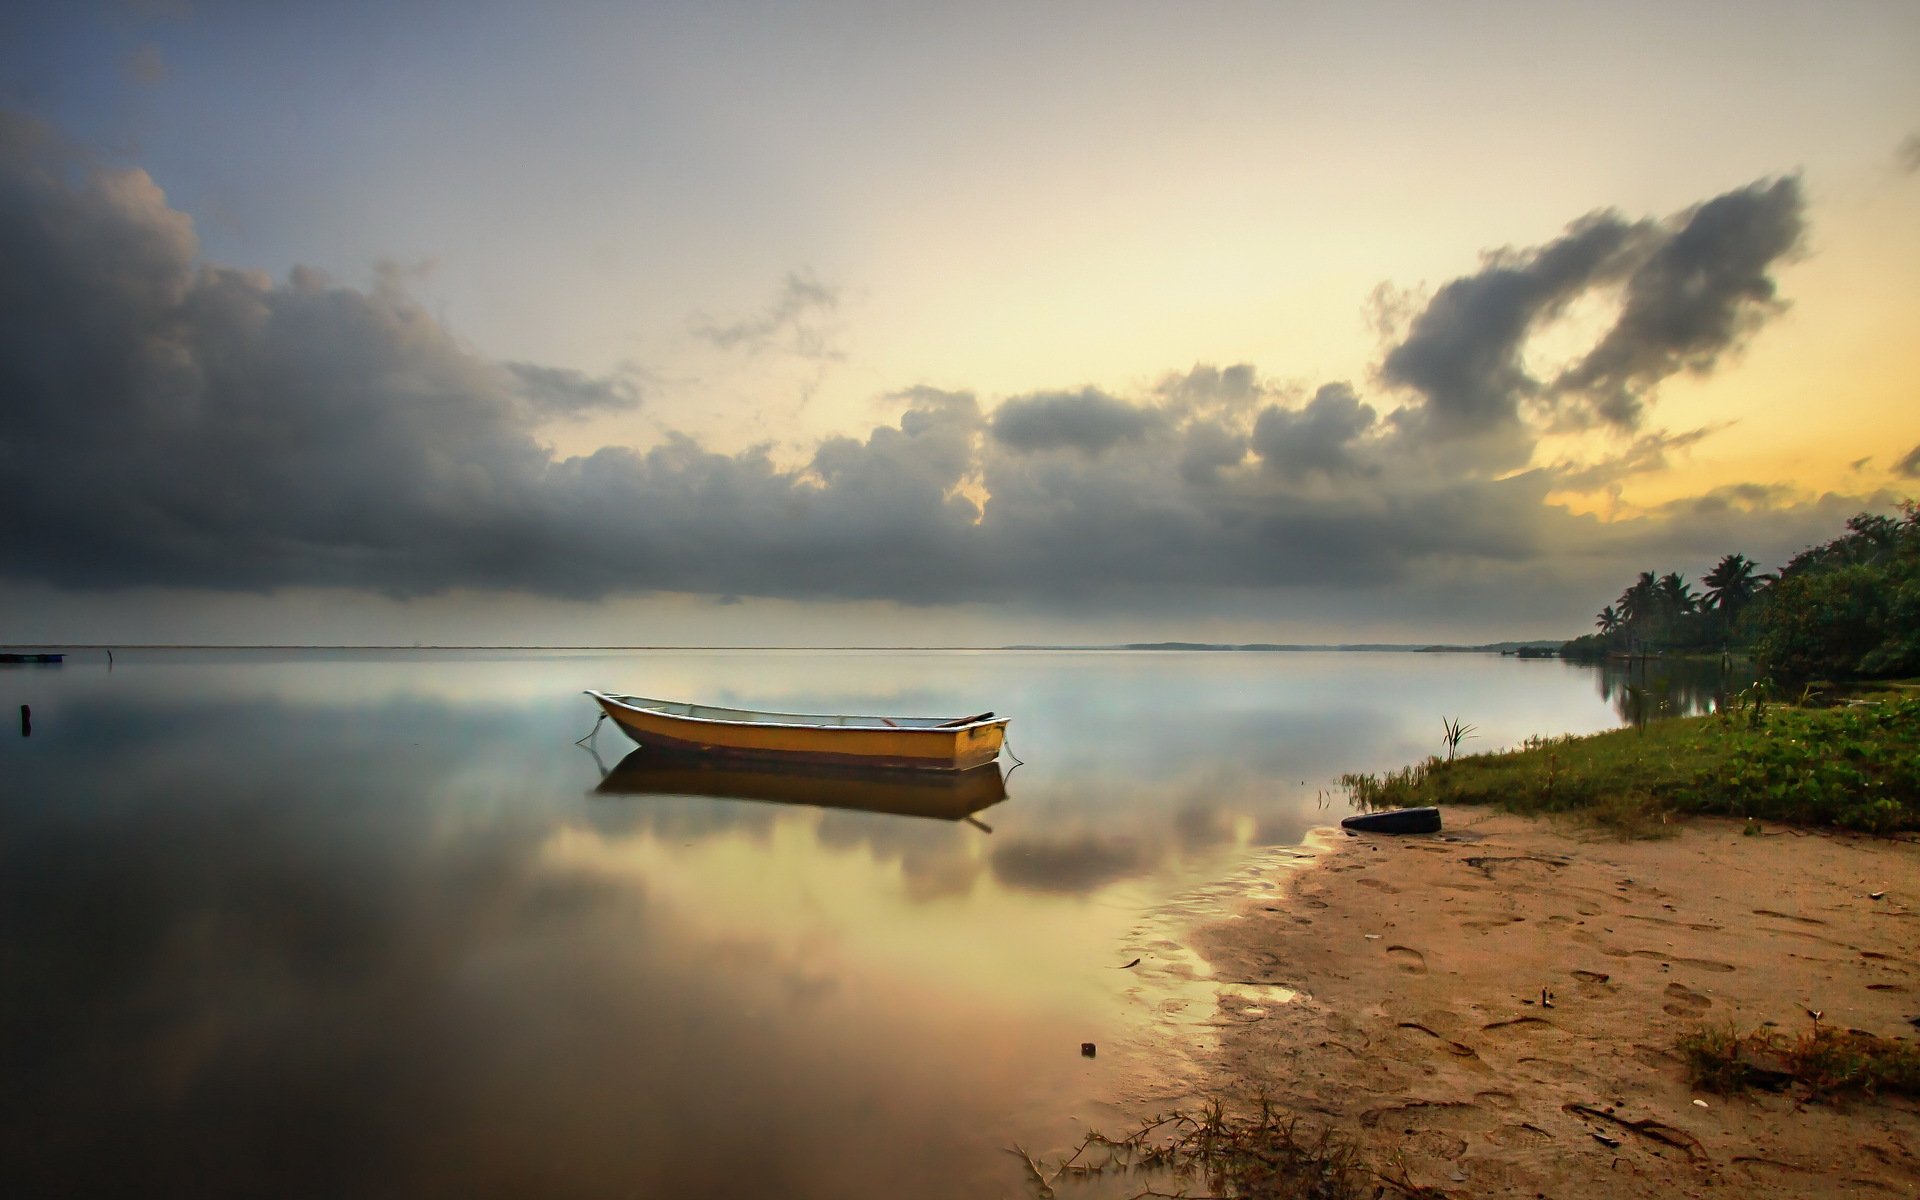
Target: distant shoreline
<point>1197,647</point>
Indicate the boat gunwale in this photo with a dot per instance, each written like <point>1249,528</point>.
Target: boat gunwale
<point>801,723</point>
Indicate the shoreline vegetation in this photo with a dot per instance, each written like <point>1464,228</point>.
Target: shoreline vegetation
<point>1852,766</point>
<point>1482,1085</point>
<point>1533,649</point>
<point>1847,609</point>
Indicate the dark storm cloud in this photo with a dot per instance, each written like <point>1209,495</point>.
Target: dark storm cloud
<point>1074,526</point>
<point>1463,351</point>
<point>1211,447</point>
<point>1762,520</point>
<point>1317,437</point>
<point>1210,389</point>
<point>1696,296</point>
<point>168,421</point>
<point>1693,288</point>
<point>1088,420</point>
<point>1909,464</point>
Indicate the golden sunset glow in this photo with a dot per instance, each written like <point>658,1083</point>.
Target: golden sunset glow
<point>753,326</point>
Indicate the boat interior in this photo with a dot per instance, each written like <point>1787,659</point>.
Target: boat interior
<point>712,712</point>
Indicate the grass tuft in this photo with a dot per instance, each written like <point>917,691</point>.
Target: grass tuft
<point>1264,1154</point>
<point>1823,1063</point>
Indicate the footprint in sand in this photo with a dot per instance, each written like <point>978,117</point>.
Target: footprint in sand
<point>1457,1049</point>
<point>1886,987</point>
<point>1380,885</point>
<point>1683,1001</point>
<point>1511,864</point>
<point>1592,977</point>
<point>1408,959</point>
<point>1432,1145</point>
<point>1705,964</point>
<point>1494,923</point>
<point>1768,912</point>
<point>1524,1134</point>
<point>1696,926</point>
<point>1424,1115</point>
<point>1876,956</point>
<point>1629,885</point>
<point>1518,1025</point>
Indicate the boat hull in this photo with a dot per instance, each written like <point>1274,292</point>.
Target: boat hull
<point>950,748</point>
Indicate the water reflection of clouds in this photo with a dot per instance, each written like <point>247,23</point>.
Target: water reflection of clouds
<point>219,977</point>
<point>1072,864</point>
<point>247,906</point>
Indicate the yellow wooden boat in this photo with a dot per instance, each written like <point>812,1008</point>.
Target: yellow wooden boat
<point>914,743</point>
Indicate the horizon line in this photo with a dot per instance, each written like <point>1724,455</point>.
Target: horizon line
<point>1164,645</point>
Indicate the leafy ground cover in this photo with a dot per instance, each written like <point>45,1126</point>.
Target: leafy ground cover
<point>1855,766</point>
<point>1822,1063</point>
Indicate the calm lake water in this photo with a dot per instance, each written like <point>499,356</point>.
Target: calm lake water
<point>369,924</point>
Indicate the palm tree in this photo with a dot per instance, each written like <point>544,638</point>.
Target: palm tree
<point>1608,619</point>
<point>1636,603</point>
<point>1730,584</point>
<point>1637,609</point>
<point>1674,597</point>
<point>1675,602</point>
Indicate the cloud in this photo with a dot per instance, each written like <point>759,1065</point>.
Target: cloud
<point>1693,288</point>
<point>792,323</point>
<point>1908,466</point>
<point>1704,288</point>
<point>1211,390</point>
<point>1089,421</point>
<point>1647,453</point>
<point>169,421</point>
<point>1907,155</point>
<point>563,392</point>
<point>1462,352</point>
<point>1316,438</point>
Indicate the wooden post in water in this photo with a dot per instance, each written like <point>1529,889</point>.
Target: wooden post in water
<point>26,721</point>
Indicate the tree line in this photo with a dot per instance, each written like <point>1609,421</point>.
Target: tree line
<point>1846,609</point>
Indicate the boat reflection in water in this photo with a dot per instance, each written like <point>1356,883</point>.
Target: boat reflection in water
<point>942,795</point>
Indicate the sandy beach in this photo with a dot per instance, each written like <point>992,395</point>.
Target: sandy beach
<point>1495,1009</point>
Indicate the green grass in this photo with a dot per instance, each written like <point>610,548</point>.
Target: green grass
<point>1823,1063</point>
<point>1853,767</point>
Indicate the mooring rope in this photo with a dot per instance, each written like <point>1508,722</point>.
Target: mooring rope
<point>594,730</point>
<point>1007,745</point>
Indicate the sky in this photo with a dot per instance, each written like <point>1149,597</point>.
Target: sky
<point>867,324</point>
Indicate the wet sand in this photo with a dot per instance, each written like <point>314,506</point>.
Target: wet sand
<point>1422,1029</point>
